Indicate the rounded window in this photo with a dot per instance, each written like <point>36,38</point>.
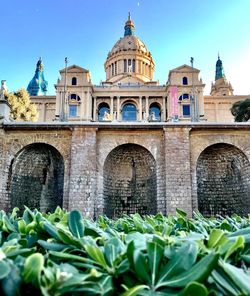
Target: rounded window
<point>103,112</point>
<point>129,112</point>
<point>154,112</point>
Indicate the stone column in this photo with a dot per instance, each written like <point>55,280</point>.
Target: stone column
<point>177,170</point>
<point>112,108</point>
<point>82,183</point>
<point>147,109</point>
<point>140,109</point>
<point>94,109</point>
<point>164,109</point>
<point>118,108</point>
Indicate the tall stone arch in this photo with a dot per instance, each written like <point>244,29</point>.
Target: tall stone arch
<point>36,178</point>
<point>129,181</point>
<point>223,181</point>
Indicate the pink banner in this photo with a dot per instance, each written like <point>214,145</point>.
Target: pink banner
<point>173,101</point>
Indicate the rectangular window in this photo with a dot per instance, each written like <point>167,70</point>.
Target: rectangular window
<point>72,110</point>
<point>186,110</point>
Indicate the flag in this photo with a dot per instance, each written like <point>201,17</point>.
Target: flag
<point>173,101</point>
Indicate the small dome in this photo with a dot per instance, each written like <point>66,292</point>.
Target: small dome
<point>128,43</point>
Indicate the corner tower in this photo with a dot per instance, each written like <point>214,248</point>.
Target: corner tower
<point>221,87</point>
<point>129,61</point>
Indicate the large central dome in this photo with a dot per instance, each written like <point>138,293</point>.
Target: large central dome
<point>129,43</point>
<point>129,60</point>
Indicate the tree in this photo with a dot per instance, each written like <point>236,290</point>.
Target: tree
<point>21,107</point>
<point>241,110</point>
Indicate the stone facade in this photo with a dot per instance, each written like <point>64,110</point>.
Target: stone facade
<point>115,169</point>
<point>130,93</point>
<point>129,144</point>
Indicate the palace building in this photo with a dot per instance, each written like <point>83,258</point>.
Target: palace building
<point>129,144</point>
<point>130,92</point>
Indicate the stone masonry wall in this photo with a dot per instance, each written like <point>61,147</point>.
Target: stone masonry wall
<point>82,189</point>
<point>177,155</point>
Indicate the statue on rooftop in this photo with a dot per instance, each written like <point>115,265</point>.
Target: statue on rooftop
<point>38,83</point>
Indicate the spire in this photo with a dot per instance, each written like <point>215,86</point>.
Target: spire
<point>219,73</point>
<point>129,27</point>
<point>38,82</point>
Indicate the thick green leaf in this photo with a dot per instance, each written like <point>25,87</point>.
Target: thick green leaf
<point>4,269</point>
<point>238,276</point>
<point>33,267</point>
<point>238,244</point>
<point>195,288</point>
<point>51,230</point>
<point>141,266</point>
<point>96,254</point>
<point>112,250</point>
<point>180,260</point>
<point>52,246</point>
<point>135,290</point>
<point>216,238</point>
<point>199,272</point>
<point>155,253</point>
<point>225,282</point>
<point>70,257</point>
<point>75,224</point>
<point>11,284</point>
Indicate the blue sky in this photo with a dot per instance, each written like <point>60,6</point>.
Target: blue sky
<point>85,30</point>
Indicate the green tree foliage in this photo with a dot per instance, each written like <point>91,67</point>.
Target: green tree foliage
<point>241,110</point>
<point>21,107</point>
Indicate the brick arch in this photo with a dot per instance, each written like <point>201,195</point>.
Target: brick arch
<point>36,178</point>
<point>223,180</point>
<point>129,181</point>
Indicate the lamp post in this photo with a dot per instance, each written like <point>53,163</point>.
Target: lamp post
<point>194,104</point>
<point>64,99</point>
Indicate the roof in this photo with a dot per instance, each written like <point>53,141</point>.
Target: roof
<point>185,68</point>
<point>75,69</point>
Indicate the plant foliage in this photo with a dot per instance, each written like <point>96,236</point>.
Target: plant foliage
<point>62,253</point>
<point>21,106</point>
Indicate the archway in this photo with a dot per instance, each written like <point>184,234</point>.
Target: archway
<point>130,184</point>
<point>223,185</point>
<point>36,178</point>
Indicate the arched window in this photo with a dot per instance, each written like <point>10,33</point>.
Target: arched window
<point>184,97</point>
<point>186,110</point>
<point>129,112</point>
<point>103,112</point>
<point>74,81</point>
<point>74,97</point>
<point>72,110</point>
<point>154,112</point>
<point>184,81</point>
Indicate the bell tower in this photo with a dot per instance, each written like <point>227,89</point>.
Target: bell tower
<point>221,87</point>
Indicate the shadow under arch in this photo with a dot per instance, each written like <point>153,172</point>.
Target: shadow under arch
<point>223,184</point>
<point>36,178</point>
<point>129,181</point>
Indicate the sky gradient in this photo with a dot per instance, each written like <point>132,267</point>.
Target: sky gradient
<point>86,30</point>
